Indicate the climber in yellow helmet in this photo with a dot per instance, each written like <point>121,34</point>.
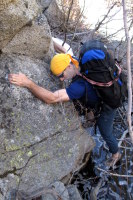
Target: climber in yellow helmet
<point>66,67</point>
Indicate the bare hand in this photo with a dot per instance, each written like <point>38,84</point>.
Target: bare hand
<point>19,79</point>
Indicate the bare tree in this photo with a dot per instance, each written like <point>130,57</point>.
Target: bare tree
<point>129,71</point>
<point>73,16</point>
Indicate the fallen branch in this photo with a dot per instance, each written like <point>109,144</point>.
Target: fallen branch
<point>126,166</point>
<point>121,116</point>
<point>122,138</point>
<point>77,33</point>
<point>112,174</point>
<point>127,148</point>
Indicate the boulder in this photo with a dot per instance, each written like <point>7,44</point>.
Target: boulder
<point>64,15</point>
<point>4,4</point>
<point>13,16</point>
<point>44,3</point>
<point>40,143</point>
<point>33,40</point>
<point>54,15</point>
<point>73,193</point>
<point>56,190</point>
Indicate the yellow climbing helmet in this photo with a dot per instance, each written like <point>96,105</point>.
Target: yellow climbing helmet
<point>60,62</point>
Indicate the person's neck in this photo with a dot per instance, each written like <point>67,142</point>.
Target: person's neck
<point>76,71</point>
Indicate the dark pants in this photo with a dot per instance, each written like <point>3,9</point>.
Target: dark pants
<point>105,125</point>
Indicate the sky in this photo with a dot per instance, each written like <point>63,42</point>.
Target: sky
<point>96,9</point>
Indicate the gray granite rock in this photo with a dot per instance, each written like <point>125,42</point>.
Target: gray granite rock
<point>33,40</point>
<point>40,143</point>
<point>61,190</point>
<point>13,16</point>
<point>73,193</point>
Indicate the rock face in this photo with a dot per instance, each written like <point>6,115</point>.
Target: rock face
<point>40,143</point>
<point>14,16</point>
<point>34,40</point>
<point>45,3</point>
<point>5,3</point>
<point>55,191</point>
<point>24,30</point>
<point>54,12</point>
<point>62,13</point>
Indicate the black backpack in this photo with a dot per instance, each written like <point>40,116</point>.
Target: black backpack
<point>100,69</point>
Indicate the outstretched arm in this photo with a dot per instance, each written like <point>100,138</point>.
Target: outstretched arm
<point>40,92</point>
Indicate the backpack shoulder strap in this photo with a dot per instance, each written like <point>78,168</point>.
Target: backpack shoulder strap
<point>108,84</point>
